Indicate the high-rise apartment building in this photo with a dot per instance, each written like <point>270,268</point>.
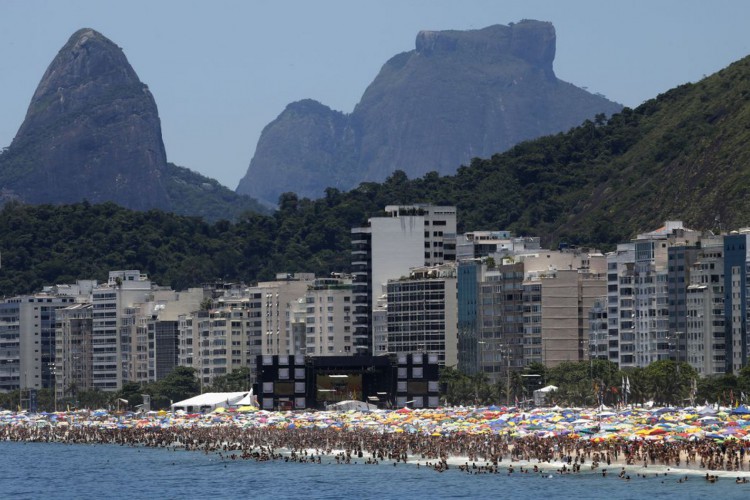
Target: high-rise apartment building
<point>422,312</point>
<point>387,248</point>
<point>704,327</point>
<point>114,339</point>
<point>736,282</point>
<point>73,352</point>
<point>328,321</point>
<point>27,339</point>
<point>639,293</point>
<point>243,323</point>
<point>567,298</point>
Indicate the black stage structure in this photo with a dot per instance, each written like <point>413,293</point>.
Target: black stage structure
<point>303,382</point>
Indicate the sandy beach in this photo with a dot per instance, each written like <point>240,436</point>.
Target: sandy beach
<point>630,442</point>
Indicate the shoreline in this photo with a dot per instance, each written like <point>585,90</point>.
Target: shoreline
<point>227,451</point>
<point>499,453</point>
<point>557,442</point>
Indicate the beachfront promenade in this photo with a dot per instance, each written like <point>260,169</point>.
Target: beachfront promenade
<point>702,440</point>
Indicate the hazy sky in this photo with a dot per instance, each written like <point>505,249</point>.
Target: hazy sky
<point>221,70</point>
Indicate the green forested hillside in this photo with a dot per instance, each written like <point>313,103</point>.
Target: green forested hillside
<point>683,155</point>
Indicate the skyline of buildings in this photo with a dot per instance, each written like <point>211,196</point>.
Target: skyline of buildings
<point>483,301</point>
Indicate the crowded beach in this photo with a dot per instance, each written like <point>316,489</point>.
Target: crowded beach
<point>624,443</point>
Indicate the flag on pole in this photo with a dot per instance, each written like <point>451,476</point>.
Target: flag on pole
<point>627,385</point>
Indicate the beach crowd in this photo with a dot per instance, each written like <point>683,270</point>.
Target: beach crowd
<point>496,450</point>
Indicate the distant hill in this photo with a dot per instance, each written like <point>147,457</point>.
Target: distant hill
<point>457,96</point>
<point>92,132</point>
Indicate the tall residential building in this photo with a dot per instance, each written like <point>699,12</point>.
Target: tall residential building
<point>533,345</point>
<point>560,286</point>
<point>599,342</point>
<point>277,303</point>
<point>467,285</point>
<point>387,248</point>
<point>114,342</point>
<point>705,335</point>
<point>567,298</point>
<point>27,340</point>
<point>736,282</point>
<point>422,312</point>
<point>500,320</point>
<point>328,303</point>
<point>380,326</point>
<point>74,355</point>
<point>680,259</point>
<point>241,324</point>
<point>298,325</point>
<point>162,318</point>
<point>639,293</point>
<point>621,305</point>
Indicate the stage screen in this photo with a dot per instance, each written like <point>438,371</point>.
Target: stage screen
<point>417,387</point>
<point>284,389</point>
<point>333,388</point>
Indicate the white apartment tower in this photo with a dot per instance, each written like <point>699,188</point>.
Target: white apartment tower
<point>387,248</point>
<point>328,320</point>
<point>114,327</point>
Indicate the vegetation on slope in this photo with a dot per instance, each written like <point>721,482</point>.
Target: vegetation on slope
<point>683,155</point>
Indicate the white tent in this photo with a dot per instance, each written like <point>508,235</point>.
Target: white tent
<point>209,401</point>
<point>249,400</point>
<point>351,405</point>
<point>540,395</point>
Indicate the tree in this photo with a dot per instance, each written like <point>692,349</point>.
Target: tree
<point>131,392</point>
<point>669,382</point>
<point>93,399</point>
<point>181,383</point>
<point>235,381</point>
<point>718,388</point>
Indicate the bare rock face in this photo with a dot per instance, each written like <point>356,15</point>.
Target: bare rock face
<point>457,96</point>
<point>92,131</point>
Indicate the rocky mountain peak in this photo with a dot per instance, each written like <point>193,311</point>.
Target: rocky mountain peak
<point>531,41</point>
<point>458,95</point>
<point>92,131</point>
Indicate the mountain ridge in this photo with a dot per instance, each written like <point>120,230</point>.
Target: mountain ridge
<point>458,95</point>
<point>684,155</point>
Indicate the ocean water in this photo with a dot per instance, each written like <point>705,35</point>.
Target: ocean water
<point>60,471</point>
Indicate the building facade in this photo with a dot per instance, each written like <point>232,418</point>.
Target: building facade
<point>328,320</point>
<point>704,326</point>
<point>27,340</point>
<point>422,314</point>
<point>387,248</point>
